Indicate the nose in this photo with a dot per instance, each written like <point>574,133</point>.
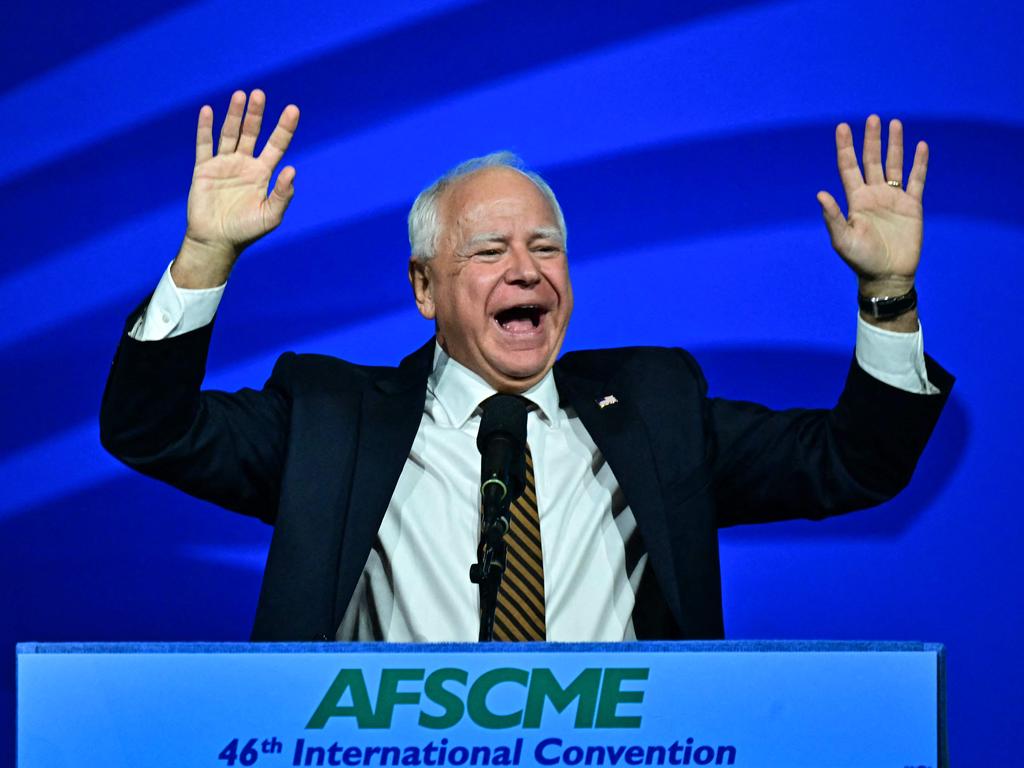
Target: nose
<point>522,267</point>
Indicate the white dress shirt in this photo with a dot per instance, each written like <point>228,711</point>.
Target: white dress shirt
<point>415,585</point>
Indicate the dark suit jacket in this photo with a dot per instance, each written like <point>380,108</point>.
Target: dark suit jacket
<point>318,451</point>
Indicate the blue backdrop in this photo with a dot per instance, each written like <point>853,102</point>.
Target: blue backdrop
<point>686,142</point>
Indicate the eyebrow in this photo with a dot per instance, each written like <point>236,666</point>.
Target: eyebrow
<point>546,233</point>
<point>540,233</point>
<point>487,237</point>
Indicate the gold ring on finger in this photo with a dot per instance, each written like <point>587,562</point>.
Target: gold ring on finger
<point>894,184</point>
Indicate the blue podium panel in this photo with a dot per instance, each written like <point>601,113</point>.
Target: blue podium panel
<point>733,703</point>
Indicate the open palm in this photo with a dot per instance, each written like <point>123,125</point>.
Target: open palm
<point>881,236</point>
<point>228,204</point>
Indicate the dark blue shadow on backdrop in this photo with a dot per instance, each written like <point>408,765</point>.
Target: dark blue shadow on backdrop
<point>68,29</point>
<point>369,82</point>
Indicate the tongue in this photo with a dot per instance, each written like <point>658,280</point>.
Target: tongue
<point>518,325</point>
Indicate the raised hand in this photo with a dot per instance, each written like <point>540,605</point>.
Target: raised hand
<point>880,238</point>
<point>228,204</point>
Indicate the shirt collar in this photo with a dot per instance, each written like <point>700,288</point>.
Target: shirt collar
<point>459,391</point>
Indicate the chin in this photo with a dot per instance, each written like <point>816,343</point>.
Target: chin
<point>520,371</point>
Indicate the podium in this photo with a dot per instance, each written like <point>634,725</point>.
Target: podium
<point>750,704</point>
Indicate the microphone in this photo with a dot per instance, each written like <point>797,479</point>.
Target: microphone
<point>502,444</point>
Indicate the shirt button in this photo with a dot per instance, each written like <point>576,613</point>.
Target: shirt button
<point>165,318</point>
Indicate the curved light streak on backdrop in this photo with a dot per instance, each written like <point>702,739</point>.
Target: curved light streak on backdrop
<point>686,142</point>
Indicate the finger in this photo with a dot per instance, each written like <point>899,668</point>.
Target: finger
<point>834,219</point>
<point>281,137</point>
<point>232,124</point>
<point>253,121</point>
<point>281,195</point>
<point>915,184</point>
<point>894,153</point>
<point>846,159</point>
<point>204,134</point>
<point>873,173</point>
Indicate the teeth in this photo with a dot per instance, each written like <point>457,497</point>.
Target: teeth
<point>534,313</point>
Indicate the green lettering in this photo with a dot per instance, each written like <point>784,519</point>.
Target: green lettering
<point>451,704</point>
<point>544,687</point>
<point>350,680</point>
<point>612,696</point>
<point>477,699</point>
<point>388,695</point>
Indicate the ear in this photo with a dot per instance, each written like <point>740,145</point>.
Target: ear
<point>422,287</point>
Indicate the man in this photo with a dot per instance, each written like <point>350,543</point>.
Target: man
<point>371,475</point>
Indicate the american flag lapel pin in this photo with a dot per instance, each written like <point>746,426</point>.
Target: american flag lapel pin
<point>607,400</point>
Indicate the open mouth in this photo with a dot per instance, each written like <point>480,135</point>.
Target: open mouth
<point>520,319</point>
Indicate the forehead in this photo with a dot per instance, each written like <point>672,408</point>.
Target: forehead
<point>495,195</point>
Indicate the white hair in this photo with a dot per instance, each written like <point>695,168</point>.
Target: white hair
<point>425,216</point>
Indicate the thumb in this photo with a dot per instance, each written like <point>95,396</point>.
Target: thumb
<point>281,195</point>
<point>835,222</point>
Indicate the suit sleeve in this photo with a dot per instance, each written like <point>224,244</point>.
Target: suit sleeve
<point>771,465</point>
<point>227,448</point>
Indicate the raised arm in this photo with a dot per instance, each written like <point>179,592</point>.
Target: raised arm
<point>774,465</point>
<point>224,447</point>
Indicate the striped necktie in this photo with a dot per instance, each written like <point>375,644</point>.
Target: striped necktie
<point>519,614</point>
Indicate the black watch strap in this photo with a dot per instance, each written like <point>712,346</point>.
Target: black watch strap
<point>888,307</point>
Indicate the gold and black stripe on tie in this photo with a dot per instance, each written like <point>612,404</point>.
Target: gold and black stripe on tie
<point>519,614</point>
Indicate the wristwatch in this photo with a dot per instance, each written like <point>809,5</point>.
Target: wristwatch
<point>888,307</point>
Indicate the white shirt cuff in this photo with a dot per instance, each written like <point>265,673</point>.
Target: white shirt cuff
<point>173,311</point>
<point>897,359</point>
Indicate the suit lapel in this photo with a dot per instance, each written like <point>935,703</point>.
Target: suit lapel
<point>621,435</point>
<point>389,419</point>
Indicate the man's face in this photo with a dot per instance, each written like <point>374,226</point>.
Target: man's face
<point>498,287</point>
